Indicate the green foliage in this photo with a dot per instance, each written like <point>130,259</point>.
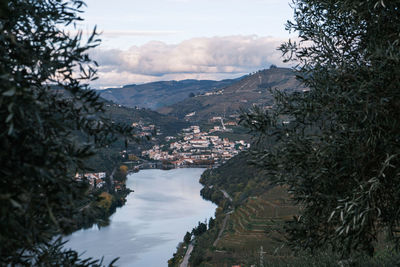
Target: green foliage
<point>200,229</point>
<point>211,223</point>
<point>42,126</point>
<point>187,238</point>
<point>339,155</point>
<point>237,177</point>
<point>53,254</point>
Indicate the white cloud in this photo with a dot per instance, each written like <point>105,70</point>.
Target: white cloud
<point>210,58</point>
<point>122,33</point>
<point>136,33</point>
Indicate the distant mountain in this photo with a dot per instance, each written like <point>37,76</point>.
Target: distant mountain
<point>251,89</point>
<point>118,113</point>
<point>159,94</point>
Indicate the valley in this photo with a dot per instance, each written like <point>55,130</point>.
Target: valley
<point>205,130</point>
<point>216,111</point>
<point>155,133</point>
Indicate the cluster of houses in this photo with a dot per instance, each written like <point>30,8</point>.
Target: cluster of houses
<point>195,147</point>
<point>96,179</point>
<point>218,92</point>
<point>145,130</point>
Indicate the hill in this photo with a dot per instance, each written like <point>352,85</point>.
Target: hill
<point>159,94</point>
<point>236,177</point>
<point>166,124</point>
<point>252,89</point>
<point>249,218</point>
<point>106,158</point>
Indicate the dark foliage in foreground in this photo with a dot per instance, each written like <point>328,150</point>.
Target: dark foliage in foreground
<point>39,149</point>
<point>338,148</point>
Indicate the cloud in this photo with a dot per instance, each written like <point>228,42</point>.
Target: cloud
<point>212,58</point>
<point>136,33</point>
<point>112,34</point>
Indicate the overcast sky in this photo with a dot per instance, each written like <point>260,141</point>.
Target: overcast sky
<point>150,40</point>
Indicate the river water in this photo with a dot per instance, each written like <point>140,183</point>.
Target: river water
<point>147,229</point>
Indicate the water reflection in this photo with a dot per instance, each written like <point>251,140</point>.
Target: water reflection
<point>147,229</point>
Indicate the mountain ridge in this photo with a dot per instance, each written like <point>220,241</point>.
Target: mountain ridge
<point>158,94</point>
<point>252,89</point>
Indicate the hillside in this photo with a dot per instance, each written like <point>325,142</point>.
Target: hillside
<point>105,159</point>
<point>159,94</point>
<point>166,124</point>
<point>250,221</point>
<point>239,236</point>
<point>252,89</point>
<point>236,177</point>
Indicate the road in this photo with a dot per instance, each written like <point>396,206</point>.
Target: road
<point>185,261</point>
<point>186,258</point>
<point>226,195</point>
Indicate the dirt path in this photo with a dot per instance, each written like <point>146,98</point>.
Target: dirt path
<point>226,195</point>
<point>222,229</point>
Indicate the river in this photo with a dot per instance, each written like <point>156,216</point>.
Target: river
<point>147,229</point>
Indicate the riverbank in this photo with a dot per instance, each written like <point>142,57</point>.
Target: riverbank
<point>212,234</point>
<point>145,231</point>
<point>249,220</point>
<point>113,194</point>
<point>103,201</point>
<point>164,166</point>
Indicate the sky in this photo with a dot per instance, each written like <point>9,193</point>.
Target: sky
<point>153,40</point>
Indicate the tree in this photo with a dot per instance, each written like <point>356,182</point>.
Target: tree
<point>339,155</point>
<point>123,169</point>
<point>200,229</point>
<point>47,110</point>
<point>187,238</point>
<point>211,223</point>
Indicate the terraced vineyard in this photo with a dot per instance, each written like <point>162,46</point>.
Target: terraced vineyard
<point>249,220</point>
<point>255,224</point>
<point>259,218</point>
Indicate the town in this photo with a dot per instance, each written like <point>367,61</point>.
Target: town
<point>194,147</point>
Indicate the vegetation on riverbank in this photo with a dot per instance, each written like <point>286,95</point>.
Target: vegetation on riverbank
<point>253,219</point>
<point>198,234</point>
<point>101,202</point>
